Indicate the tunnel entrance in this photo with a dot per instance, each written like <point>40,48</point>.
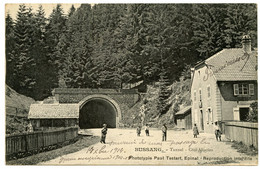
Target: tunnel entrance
<point>97,111</point>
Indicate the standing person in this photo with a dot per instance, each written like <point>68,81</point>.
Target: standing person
<point>29,127</point>
<point>217,131</point>
<point>138,130</point>
<point>164,132</point>
<point>195,131</point>
<point>146,129</point>
<point>103,134</point>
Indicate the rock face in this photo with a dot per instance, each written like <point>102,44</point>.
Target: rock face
<point>179,98</point>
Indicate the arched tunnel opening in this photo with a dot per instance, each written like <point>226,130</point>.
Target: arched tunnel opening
<point>96,112</point>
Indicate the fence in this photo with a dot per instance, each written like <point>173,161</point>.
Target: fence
<point>37,141</point>
<point>246,132</point>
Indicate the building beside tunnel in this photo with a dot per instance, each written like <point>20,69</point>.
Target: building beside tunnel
<point>224,86</point>
<point>86,108</point>
<point>53,115</point>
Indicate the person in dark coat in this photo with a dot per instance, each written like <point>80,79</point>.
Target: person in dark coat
<point>138,130</point>
<point>146,129</point>
<point>164,132</point>
<point>103,134</point>
<point>195,131</point>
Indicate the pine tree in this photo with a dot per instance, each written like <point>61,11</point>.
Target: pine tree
<point>44,72</point>
<point>10,50</point>
<point>75,70</point>
<point>164,92</point>
<point>25,65</point>
<point>126,45</point>
<point>241,19</point>
<point>208,28</point>
<point>54,31</point>
<point>71,11</point>
<point>106,18</point>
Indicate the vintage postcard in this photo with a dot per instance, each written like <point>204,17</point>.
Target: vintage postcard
<point>131,84</point>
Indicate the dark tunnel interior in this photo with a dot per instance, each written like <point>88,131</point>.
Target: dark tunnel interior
<point>95,113</point>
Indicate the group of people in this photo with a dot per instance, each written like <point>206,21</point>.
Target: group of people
<point>146,129</point>
<point>164,132</point>
<point>216,129</point>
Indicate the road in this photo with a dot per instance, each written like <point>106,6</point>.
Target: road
<point>123,147</point>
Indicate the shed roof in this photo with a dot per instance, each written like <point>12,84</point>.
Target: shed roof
<point>53,111</point>
<point>184,110</point>
<point>233,65</point>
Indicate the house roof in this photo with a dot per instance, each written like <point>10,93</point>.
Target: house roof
<point>184,110</point>
<point>233,65</point>
<point>51,111</point>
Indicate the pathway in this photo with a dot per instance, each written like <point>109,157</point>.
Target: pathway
<point>125,148</point>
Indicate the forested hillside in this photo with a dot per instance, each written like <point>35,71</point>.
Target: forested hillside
<point>106,45</point>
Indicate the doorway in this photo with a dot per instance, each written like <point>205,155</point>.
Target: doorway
<point>243,113</point>
<point>201,120</point>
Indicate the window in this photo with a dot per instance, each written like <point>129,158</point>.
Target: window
<point>208,89</point>
<point>200,93</point>
<point>194,95</point>
<point>46,122</point>
<point>210,115</point>
<point>207,113</point>
<point>243,89</point>
<point>251,89</point>
<point>236,90</point>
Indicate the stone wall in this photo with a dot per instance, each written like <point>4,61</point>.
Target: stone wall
<point>125,98</point>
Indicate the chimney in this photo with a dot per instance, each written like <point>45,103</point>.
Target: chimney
<point>246,43</point>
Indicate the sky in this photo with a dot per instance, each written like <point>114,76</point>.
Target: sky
<point>13,8</point>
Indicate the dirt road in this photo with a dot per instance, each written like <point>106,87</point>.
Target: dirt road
<point>123,147</point>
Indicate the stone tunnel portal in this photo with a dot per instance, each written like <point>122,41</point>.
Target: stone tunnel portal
<point>97,111</point>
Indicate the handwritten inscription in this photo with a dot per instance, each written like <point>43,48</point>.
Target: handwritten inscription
<point>189,143</point>
<point>104,150</point>
<point>209,72</point>
<point>145,150</point>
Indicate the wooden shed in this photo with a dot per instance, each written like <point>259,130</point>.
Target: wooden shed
<point>54,115</point>
<point>183,118</point>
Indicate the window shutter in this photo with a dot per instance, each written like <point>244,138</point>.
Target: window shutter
<point>236,90</point>
<point>251,89</point>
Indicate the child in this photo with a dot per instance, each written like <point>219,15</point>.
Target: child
<point>217,131</point>
<point>146,129</point>
<point>138,130</point>
<point>195,131</point>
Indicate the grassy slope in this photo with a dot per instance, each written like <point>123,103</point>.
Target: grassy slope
<point>14,99</point>
<point>18,106</point>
